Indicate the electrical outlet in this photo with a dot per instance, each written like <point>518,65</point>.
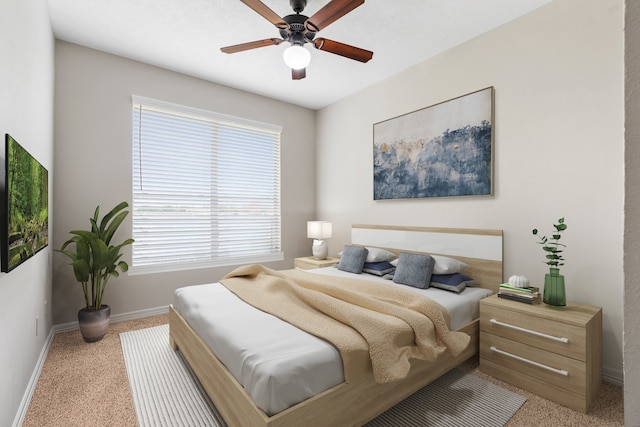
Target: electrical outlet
<point>46,309</point>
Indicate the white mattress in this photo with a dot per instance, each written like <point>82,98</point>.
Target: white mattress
<point>278,364</point>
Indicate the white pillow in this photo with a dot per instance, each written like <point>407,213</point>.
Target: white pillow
<point>444,265</point>
<point>379,255</point>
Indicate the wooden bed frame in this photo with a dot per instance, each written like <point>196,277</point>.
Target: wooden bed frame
<point>353,403</point>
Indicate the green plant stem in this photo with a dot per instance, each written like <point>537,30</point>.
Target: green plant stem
<point>86,294</point>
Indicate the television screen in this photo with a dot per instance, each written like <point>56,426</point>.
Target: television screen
<point>26,207</point>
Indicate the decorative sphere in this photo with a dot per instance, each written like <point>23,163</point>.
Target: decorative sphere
<point>518,281</point>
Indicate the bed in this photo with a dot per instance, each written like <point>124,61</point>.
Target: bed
<point>340,401</point>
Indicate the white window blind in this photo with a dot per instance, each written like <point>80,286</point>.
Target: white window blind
<point>206,188</point>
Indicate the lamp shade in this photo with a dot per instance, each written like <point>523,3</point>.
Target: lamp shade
<point>296,57</point>
<point>318,230</point>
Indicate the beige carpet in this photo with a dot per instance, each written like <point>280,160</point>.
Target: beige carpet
<point>86,385</point>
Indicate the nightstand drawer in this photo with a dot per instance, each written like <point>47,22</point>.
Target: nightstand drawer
<point>576,401</point>
<point>549,334</point>
<point>564,372</point>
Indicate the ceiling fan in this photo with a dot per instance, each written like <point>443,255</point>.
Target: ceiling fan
<point>299,29</point>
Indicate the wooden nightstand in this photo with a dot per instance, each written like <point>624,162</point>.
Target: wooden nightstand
<point>554,352</point>
<point>309,262</point>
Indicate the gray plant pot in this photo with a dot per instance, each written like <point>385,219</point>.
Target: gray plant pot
<point>94,324</point>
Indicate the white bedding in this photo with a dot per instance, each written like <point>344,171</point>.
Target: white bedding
<point>278,364</point>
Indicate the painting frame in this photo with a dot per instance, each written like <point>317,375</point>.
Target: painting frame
<point>25,207</point>
<point>443,150</point>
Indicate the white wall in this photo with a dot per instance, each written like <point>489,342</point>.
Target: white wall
<point>26,113</point>
<point>632,213</point>
<point>558,78</point>
<point>93,160</point>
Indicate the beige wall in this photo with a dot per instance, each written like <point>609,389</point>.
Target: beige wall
<point>93,157</point>
<point>632,214</point>
<point>558,78</point>
<point>26,113</point>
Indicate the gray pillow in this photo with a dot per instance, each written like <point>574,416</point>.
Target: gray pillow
<point>414,270</point>
<point>353,259</point>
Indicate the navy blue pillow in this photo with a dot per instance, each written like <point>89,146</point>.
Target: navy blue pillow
<point>456,282</point>
<point>414,270</point>
<point>353,259</point>
<point>378,268</point>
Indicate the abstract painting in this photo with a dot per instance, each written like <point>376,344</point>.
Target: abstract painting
<point>439,151</point>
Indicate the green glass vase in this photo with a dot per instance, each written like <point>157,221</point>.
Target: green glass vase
<point>554,293</point>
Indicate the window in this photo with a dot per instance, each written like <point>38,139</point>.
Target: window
<point>206,189</point>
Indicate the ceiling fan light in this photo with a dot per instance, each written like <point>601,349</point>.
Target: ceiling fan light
<point>296,57</point>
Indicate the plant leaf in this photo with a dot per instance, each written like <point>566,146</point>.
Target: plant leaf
<point>107,234</point>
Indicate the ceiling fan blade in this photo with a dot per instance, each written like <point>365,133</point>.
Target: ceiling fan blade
<point>268,14</point>
<point>342,49</point>
<point>298,74</point>
<point>331,12</point>
<point>251,45</point>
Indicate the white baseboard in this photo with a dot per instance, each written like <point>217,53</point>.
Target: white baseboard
<point>116,318</point>
<point>612,376</point>
<point>65,327</point>
<point>33,381</point>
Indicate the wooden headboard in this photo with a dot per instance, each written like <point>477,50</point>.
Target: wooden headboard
<point>480,249</point>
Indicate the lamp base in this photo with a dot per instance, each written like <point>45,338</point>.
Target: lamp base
<point>320,250</point>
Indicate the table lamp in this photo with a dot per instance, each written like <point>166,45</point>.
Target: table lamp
<point>319,230</point>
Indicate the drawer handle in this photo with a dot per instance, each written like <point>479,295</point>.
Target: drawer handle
<point>531,362</point>
<point>529,331</point>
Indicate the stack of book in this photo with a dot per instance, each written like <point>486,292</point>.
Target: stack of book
<point>528,295</point>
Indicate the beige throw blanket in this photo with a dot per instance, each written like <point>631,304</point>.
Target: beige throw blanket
<point>363,319</point>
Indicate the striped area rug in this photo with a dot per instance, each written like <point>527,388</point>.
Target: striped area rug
<point>166,393</point>
<point>455,399</point>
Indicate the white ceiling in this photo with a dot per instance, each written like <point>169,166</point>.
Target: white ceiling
<point>186,36</point>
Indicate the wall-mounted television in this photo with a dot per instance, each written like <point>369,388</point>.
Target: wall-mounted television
<point>25,211</point>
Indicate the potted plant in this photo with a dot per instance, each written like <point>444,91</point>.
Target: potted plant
<point>94,261</point>
<point>554,291</point>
